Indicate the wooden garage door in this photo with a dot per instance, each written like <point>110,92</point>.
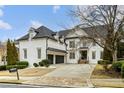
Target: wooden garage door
<point>59,59</point>
<point>50,58</point>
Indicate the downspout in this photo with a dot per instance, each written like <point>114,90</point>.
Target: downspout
<point>66,49</point>
<point>46,47</point>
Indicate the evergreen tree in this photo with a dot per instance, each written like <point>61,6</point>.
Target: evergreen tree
<point>15,52</point>
<point>9,53</point>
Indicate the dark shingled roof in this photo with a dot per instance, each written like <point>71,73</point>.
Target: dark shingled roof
<point>40,32</point>
<point>64,32</point>
<point>25,37</point>
<point>45,32</point>
<point>101,30</point>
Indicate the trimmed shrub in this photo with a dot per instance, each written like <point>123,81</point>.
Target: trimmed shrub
<point>122,71</point>
<point>3,67</point>
<point>23,63</point>
<point>99,61</point>
<point>35,65</point>
<point>45,63</point>
<point>16,66</point>
<point>41,64</point>
<point>117,66</point>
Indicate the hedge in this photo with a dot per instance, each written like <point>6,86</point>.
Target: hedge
<point>117,65</point>
<point>3,67</point>
<point>22,63</point>
<point>16,66</point>
<point>122,71</point>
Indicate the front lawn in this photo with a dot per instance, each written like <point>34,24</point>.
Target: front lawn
<point>112,83</point>
<point>28,72</point>
<point>100,78</point>
<point>100,73</point>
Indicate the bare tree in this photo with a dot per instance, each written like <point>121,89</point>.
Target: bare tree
<point>111,16</point>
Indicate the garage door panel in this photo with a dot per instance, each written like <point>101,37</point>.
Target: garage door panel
<point>59,59</point>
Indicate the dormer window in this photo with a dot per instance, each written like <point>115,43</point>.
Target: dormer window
<point>31,33</point>
<point>62,39</point>
<point>57,36</point>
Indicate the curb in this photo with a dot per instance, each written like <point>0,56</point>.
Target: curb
<point>11,82</point>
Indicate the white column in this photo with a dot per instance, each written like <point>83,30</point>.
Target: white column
<point>54,59</point>
<point>65,58</point>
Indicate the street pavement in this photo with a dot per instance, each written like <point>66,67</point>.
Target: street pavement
<point>5,85</point>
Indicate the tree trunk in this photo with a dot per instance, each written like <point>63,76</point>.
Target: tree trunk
<point>114,56</point>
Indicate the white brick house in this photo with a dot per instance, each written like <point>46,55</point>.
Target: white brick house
<point>67,46</point>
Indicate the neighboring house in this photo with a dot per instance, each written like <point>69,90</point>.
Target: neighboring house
<point>2,53</point>
<point>67,46</point>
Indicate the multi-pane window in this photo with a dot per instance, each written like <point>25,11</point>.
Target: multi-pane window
<point>101,54</point>
<point>72,44</point>
<point>25,53</point>
<point>39,53</point>
<point>72,55</point>
<point>93,54</point>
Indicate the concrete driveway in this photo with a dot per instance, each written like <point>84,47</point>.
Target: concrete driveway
<point>66,75</point>
<point>71,71</point>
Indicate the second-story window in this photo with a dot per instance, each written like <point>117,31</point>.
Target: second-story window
<point>72,44</point>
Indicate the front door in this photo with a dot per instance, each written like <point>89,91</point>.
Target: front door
<point>84,54</point>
